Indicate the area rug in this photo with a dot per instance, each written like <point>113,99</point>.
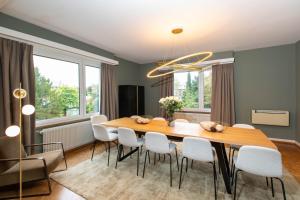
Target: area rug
<point>95,180</point>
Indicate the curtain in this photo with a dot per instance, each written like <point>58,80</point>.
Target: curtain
<point>166,89</point>
<point>109,98</point>
<point>16,66</point>
<point>222,104</point>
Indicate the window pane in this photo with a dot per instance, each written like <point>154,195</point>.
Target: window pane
<point>207,89</point>
<point>92,77</point>
<point>57,88</point>
<point>186,88</point>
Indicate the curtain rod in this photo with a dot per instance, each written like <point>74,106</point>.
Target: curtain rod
<point>33,40</point>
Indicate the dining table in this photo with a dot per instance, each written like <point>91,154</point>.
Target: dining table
<point>229,136</point>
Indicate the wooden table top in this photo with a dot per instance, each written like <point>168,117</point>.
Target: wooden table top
<point>230,135</point>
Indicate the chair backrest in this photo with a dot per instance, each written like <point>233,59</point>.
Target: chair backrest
<point>260,161</point>
<point>134,116</point>
<point>197,149</point>
<point>181,120</point>
<point>97,119</point>
<point>157,142</point>
<point>243,126</point>
<point>178,120</point>
<point>127,137</point>
<point>100,132</point>
<point>159,118</point>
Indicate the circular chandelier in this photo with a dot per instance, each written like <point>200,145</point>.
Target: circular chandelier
<point>188,62</point>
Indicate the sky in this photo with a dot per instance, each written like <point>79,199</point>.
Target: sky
<point>65,73</point>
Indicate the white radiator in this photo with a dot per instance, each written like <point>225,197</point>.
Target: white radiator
<point>71,135</point>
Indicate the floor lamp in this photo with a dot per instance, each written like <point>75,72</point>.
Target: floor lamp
<point>15,130</point>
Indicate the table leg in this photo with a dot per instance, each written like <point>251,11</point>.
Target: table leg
<point>224,164</point>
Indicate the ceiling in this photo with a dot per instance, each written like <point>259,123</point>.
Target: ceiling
<point>140,30</point>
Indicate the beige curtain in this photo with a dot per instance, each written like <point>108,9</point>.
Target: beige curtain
<point>166,89</point>
<point>222,105</point>
<point>109,98</point>
<point>16,66</point>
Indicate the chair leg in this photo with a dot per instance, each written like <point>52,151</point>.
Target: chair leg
<point>192,163</point>
<point>138,161</point>
<point>105,147</point>
<point>141,149</point>
<point>231,161</point>
<point>147,153</point>
<point>118,154</point>
<point>267,181</point>
<point>170,170</point>
<point>149,157</point>
<point>159,156</point>
<point>232,174</point>
<point>130,150</point>
<point>93,149</point>
<point>235,183</point>
<point>272,187</point>
<point>283,189</point>
<point>164,157</point>
<point>177,159</point>
<point>186,164</point>
<point>154,158</point>
<point>180,177</point>
<point>229,156</point>
<point>215,178</point>
<point>108,153</point>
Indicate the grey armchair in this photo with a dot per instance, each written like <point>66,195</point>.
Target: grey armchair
<point>35,167</point>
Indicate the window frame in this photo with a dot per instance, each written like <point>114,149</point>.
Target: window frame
<point>201,108</point>
<point>82,61</point>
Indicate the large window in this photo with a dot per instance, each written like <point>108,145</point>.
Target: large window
<point>66,86</point>
<point>57,88</point>
<point>92,80</point>
<point>194,88</point>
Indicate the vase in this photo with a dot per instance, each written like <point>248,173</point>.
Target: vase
<point>170,120</point>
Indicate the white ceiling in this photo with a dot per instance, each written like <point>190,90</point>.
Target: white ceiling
<point>139,30</point>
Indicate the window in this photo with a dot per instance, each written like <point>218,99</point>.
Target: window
<point>67,85</point>
<point>57,88</point>
<point>92,84</point>
<point>194,88</point>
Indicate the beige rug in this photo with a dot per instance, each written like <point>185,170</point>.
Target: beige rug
<point>94,180</point>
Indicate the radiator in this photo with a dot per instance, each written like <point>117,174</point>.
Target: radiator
<point>71,135</point>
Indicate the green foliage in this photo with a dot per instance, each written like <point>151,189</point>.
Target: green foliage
<point>53,101</point>
<point>190,95</point>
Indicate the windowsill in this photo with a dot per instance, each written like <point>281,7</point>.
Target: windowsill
<point>48,123</point>
<point>195,111</point>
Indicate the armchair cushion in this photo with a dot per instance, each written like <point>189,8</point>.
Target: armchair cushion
<point>9,148</point>
<point>32,169</point>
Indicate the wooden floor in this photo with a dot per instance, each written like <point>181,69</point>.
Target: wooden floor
<point>290,154</point>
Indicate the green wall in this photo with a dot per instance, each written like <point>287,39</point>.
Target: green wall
<point>298,90</point>
<point>127,72</point>
<point>265,79</point>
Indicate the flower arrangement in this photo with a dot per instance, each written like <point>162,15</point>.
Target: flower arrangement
<point>171,104</point>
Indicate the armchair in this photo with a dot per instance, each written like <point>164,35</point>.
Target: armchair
<point>35,167</point>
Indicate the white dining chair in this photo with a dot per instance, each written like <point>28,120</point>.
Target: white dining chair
<point>98,119</point>
<point>260,161</point>
<point>159,143</point>
<point>134,116</point>
<point>178,120</point>
<point>234,147</point>
<point>102,134</point>
<point>159,118</point>
<point>198,149</point>
<point>127,137</point>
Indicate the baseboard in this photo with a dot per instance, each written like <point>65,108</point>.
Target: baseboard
<point>286,141</point>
